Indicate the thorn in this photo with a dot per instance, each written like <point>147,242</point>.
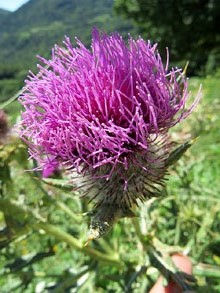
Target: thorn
<point>185,68</point>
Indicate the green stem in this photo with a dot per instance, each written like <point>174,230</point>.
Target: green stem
<point>139,234</point>
<point>12,99</point>
<point>205,270</point>
<point>75,243</point>
<point>36,222</point>
<point>68,211</point>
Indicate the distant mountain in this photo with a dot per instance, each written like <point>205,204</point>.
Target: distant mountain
<point>38,24</point>
<point>3,12</point>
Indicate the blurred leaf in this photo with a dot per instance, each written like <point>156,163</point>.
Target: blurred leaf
<point>59,183</point>
<point>28,260</point>
<point>176,154</point>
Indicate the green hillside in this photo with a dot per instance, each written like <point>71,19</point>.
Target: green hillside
<point>25,33</point>
<point>3,12</point>
<point>39,24</point>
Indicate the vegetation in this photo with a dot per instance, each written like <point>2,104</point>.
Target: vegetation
<point>189,28</point>
<point>43,222</point>
<point>25,33</point>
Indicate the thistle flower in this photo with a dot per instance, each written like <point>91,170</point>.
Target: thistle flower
<point>105,114</point>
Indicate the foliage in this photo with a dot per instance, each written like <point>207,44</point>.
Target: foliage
<point>43,222</point>
<point>189,28</point>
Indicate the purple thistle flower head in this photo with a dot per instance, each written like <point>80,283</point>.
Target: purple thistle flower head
<point>105,113</point>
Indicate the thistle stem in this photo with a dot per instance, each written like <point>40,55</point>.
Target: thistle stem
<point>75,243</point>
<point>144,241</point>
<point>36,222</point>
<point>68,211</point>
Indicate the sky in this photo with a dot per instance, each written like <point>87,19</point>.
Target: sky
<point>11,5</point>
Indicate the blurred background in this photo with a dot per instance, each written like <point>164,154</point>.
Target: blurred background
<point>36,258</point>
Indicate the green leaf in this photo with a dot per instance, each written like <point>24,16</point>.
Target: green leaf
<point>58,183</point>
<point>176,154</point>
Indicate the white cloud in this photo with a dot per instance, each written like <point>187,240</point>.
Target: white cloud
<point>12,5</point>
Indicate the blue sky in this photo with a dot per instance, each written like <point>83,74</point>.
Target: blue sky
<point>11,5</point>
